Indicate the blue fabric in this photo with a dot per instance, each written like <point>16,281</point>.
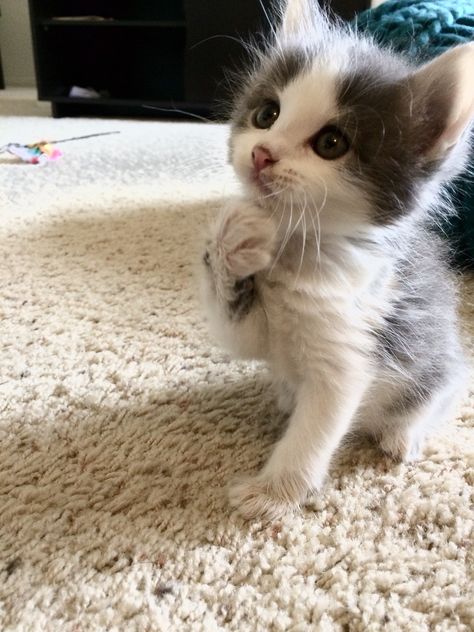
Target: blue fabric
<point>423,30</point>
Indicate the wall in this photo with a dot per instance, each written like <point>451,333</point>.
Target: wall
<point>15,43</point>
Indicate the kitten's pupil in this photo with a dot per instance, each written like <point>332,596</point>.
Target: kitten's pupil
<point>330,143</point>
<point>266,115</point>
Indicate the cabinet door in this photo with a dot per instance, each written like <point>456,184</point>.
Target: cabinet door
<point>210,47</point>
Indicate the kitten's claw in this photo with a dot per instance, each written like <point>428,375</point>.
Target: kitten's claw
<point>256,497</point>
<point>401,446</point>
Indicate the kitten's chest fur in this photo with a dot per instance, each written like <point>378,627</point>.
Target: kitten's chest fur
<point>336,292</point>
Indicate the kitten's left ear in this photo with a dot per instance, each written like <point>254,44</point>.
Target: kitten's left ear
<point>443,98</point>
<point>300,18</point>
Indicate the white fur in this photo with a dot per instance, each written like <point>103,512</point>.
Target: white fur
<point>310,331</point>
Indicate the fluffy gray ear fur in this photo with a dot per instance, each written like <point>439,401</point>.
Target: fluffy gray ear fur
<point>301,20</point>
<point>443,100</point>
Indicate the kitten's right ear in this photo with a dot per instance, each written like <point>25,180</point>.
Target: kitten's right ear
<point>300,19</point>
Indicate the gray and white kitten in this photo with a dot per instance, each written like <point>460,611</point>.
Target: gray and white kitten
<point>327,268</point>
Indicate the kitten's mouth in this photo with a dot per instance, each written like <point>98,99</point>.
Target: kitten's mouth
<point>272,187</point>
<point>264,187</point>
<point>263,182</point>
<point>269,184</point>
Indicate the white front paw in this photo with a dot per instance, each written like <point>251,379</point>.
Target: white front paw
<point>261,497</point>
<point>245,237</point>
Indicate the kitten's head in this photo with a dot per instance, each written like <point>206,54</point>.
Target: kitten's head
<point>327,120</point>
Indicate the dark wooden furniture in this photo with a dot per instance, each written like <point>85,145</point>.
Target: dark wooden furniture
<point>166,54</point>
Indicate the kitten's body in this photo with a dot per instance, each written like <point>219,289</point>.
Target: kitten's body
<point>326,269</point>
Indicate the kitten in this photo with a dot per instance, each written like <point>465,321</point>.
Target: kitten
<point>327,267</point>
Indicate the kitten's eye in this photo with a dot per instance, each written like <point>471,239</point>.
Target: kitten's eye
<point>265,116</point>
<point>330,143</point>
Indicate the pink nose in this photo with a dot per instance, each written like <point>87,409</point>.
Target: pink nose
<point>261,158</point>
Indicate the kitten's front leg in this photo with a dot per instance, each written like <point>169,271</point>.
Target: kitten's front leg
<point>325,405</point>
<point>241,245</point>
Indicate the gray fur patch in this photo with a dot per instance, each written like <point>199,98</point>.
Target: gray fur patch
<point>390,132</point>
<point>245,295</point>
<point>419,341</point>
<point>285,68</point>
<point>272,75</point>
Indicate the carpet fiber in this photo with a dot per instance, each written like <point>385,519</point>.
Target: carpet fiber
<point>120,425</point>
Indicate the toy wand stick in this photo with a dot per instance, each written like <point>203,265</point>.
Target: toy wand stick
<point>42,151</point>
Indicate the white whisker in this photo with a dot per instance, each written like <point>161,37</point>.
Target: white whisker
<point>304,235</point>
<point>287,235</point>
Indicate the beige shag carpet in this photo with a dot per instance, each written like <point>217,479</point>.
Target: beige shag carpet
<point>120,425</point>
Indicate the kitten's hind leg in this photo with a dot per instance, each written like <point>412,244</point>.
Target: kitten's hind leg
<point>402,435</point>
<point>401,443</point>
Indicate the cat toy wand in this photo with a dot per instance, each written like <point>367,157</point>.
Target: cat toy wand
<point>44,151</point>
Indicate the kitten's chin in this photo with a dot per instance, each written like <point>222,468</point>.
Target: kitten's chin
<point>263,188</point>
<point>260,185</point>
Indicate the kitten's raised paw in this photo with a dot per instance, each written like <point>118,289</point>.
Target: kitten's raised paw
<point>285,397</point>
<point>258,497</point>
<point>245,239</point>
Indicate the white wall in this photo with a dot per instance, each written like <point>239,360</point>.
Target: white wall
<point>15,43</point>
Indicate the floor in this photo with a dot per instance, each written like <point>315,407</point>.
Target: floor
<point>121,424</point>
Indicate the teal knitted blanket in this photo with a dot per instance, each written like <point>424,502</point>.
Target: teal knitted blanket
<point>422,30</point>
